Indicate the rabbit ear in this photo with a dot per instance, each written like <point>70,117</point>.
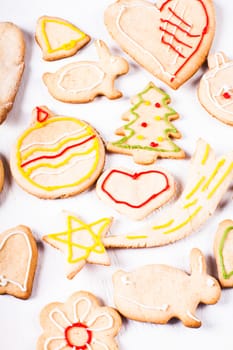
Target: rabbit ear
<point>102,50</point>
<point>197,262</point>
<point>217,60</point>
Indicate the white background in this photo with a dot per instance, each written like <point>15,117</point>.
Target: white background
<point>19,320</point>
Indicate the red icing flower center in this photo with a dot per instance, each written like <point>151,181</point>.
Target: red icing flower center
<point>227,95</point>
<point>77,336</point>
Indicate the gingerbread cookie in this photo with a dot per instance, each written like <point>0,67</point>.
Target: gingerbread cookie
<point>216,90</point>
<point>1,175</point>
<point>223,251</point>
<point>208,180</point>
<point>59,38</point>
<point>79,324</point>
<point>147,134</point>
<point>135,194</point>
<point>81,243</point>
<point>57,156</point>
<point>18,260</point>
<point>12,48</point>
<point>169,292</point>
<point>81,82</point>
<point>171,38</point>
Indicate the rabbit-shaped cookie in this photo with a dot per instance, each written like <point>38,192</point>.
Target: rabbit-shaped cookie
<point>81,82</point>
<point>158,293</point>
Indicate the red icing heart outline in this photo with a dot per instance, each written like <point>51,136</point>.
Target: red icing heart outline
<point>135,176</point>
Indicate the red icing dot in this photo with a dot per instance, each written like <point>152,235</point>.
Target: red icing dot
<point>157,105</point>
<point>154,144</point>
<point>144,125</point>
<point>226,95</point>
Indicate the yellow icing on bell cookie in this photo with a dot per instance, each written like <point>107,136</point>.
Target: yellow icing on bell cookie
<point>66,46</point>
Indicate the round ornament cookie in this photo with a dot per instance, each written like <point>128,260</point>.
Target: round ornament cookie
<point>57,156</point>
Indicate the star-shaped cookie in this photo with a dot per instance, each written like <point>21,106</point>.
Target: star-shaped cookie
<point>81,243</point>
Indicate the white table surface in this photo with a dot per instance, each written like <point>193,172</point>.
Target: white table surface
<point>19,321</point>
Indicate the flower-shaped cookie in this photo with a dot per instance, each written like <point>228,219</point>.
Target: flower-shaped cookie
<point>79,324</point>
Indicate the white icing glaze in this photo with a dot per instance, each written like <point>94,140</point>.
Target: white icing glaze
<point>210,282</point>
<point>56,310</point>
<point>81,318</point>
<point>104,314</point>
<point>212,74</point>
<point>4,280</point>
<point>60,138</point>
<point>190,315</point>
<point>48,340</point>
<point>90,87</point>
<point>200,264</point>
<point>151,7</point>
<point>64,169</point>
<point>163,307</point>
<point>95,341</point>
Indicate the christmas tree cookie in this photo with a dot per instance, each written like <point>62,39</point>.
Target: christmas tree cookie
<point>148,132</point>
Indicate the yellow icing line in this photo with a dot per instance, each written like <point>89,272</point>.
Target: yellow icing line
<point>163,226</point>
<point>195,188</point>
<point>58,165</point>
<point>230,168</point>
<point>41,125</point>
<point>87,249</point>
<point>206,154</point>
<point>190,204</point>
<point>67,46</point>
<point>54,149</point>
<point>136,237</point>
<point>185,222</point>
<point>212,176</point>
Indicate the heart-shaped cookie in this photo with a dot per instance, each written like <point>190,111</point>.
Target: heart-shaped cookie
<point>170,39</point>
<point>12,48</point>
<point>135,194</point>
<point>18,259</point>
<point>223,251</point>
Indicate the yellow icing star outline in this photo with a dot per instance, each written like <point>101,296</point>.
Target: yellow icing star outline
<point>96,247</point>
<point>67,46</point>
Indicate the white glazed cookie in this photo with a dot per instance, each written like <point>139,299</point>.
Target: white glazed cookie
<point>135,194</point>
<point>171,38</point>
<point>223,251</point>
<point>12,48</point>
<point>82,81</point>
<point>208,180</point>
<point>148,133</point>
<point>216,89</point>
<point>81,243</point>
<point>81,323</point>
<point>57,156</point>
<point>158,293</point>
<point>59,38</point>
<point>18,260</point>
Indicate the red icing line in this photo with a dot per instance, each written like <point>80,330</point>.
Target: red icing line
<point>135,176</point>
<point>59,154</point>
<point>175,38</point>
<point>181,19</point>
<point>40,113</point>
<point>180,28</point>
<point>172,47</point>
<point>76,347</point>
<point>205,30</point>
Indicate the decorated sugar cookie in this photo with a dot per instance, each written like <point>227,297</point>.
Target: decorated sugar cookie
<point>12,49</point>
<point>59,38</point>
<point>57,156</point>
<point>81,243</point>
<point>216,88</point>
<point>208,180</point>
<point>170,38</point>
<point>148,131</point>
<point>18,260</point>
<point>81,323</point>
<point>135,194</point>
<point>82,81</point>
<point>223,251</point>
<point>169,292</point>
